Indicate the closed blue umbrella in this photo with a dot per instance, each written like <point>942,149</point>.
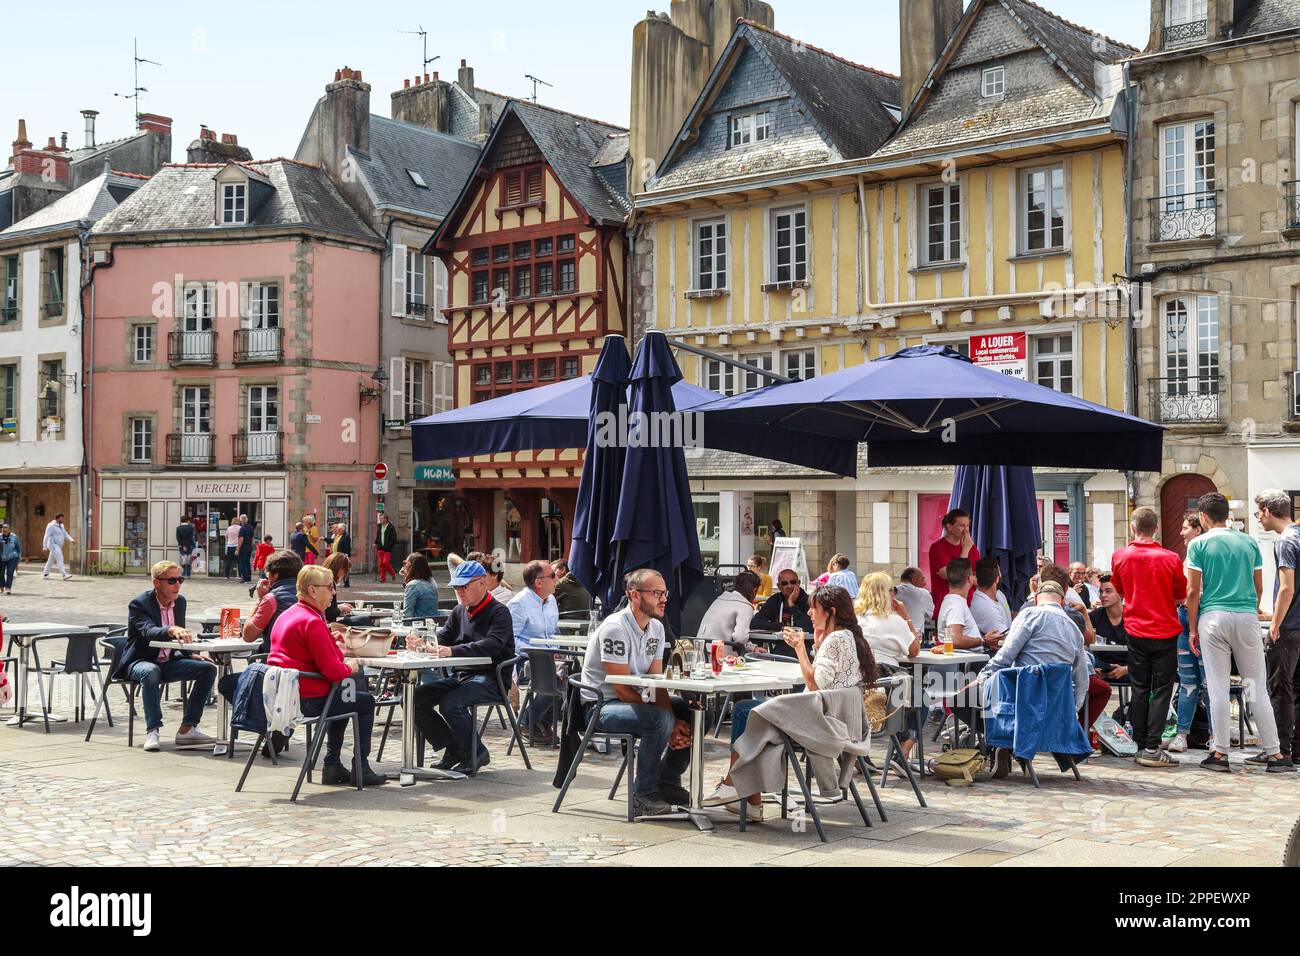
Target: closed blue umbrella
<point>1003,506</point>
<point>591,554</point>
<point>655,524</point>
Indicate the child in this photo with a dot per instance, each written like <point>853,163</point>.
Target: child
<point>264,551</point>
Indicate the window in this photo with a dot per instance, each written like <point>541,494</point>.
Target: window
<point>514,190</point>
<point>1042,221</point>
<point>480,287</point>
<point>942,240</point>
<point>142,343</point>
<point>263,305</point>
<point>1187,205</point>
<point>993,82</point>
<point>570,368</point>
<point>501,283</point>
<point>234,203</point>
<point>8,391</point>
<point>545,369</point>
<point>789,245</point>
<point>800,363</point>
<point>524,283</point>
<point>545,278</point>
<point>545,247</point>
<point>505,373</point>
<point>751,128</point>
<point>501,254</point>
<point>413,388</point>
<point>1179,12</point>
<point>1191,351</point>
<point>524,373</point>
<point>199,301</point>
<point>535,185</point>
<point>711,255</point>
<point>719,377</point>
<point>415,283</point>
<point>482,375</point>
<point>9,304</point>
<point>196,410</point>
<point>52,261</point>
<point>523,250</point>
<point>52,386</point>
<point>417,179</point>
<point>568,276</point>
<point>1054,361</point>
<point>752,380</point>
<point>479,257</point>
<point>566,244</point>
<point>141,440</point>
<point>263,409</point>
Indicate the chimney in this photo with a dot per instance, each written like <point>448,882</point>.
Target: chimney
<point>154,123</point>
<point>63,141</point>
<point>229,139</point>
<point>485,120</point>
<point>209,149</point>
<point>465,78</point>
<point>924,29</point>
<point>343,120</point>
<point>90,127</point>
<point>423,102</point>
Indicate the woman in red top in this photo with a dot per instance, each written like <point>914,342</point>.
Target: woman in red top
<point>264,551</point>
<point>301,639</point>
<point>955,543</point>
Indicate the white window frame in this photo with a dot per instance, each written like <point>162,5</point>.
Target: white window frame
<point>798,264</point>
<point>196,409</point>
<point>1192,11</point>
<point>993,82</point>
<point>802,363</point>
<point>747,129</point>
<point>751,381</point>
<point>234,204</point>
<point>263,409</point>
<point>415,280</point>
<point>951,224</point>
<point>714,277</point>
<point>415,377</point>
<point>141,441</point>
<point>718,376</point>
<point>9,392</point>
<point>1055,359</point>
<point>142,351</point>
<point>1051,189</point>
<point>1198,358</point>
<point>1188,162</point>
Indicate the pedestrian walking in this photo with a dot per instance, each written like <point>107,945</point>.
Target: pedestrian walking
<point>298,542</point>
<point>10,552</point>
<point>1227,580</point>
<point>185,544</point>
<point>1283,655</point>
<point>341,543</point>
<point>232,546</point>
<point>56,536</point>
<point>244,551</point>
<point>313,539</point>
<point>1150,580</point>
<point>385,541</point>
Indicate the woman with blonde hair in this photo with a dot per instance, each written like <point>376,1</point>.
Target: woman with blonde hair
<point>340,566</point>
<point>888,631</point>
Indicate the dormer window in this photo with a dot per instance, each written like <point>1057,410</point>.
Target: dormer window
<point>751,128</point>
<point>1186,21</point>
<point>993,82</point>
<point>234,204</point>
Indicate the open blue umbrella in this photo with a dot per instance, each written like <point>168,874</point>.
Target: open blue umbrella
<point>929,405</point>
<point>1003,506</point>
<point>655,523</point>
<point>591,554</point>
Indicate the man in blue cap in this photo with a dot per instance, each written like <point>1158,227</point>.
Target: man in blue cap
<point>479,626</point>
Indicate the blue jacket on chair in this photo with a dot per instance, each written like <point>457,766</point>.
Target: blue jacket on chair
<point>250,712</point>
<point>1031,710</point>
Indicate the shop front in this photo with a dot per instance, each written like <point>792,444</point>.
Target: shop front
<point>29,505</point>
<point>441,522</point>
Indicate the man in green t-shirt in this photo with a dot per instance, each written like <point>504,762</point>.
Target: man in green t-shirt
<point>1225,572</point>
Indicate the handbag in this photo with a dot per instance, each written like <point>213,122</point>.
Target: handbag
<point>875,701</point>
<point>958,768</point>
<point>676,656</point>
<point>367,642</point>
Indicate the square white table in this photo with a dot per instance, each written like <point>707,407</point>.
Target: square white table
<point>957,660</point>
<point>408,667</point>
<point>757,676</point>
<point>578,643</point>
<point>223,650</point>
<point>22,636</point>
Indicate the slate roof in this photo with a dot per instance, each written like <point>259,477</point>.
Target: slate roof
<point>464,109</point>
<point>443,162</point>
<point>571,144</point>
<point>89,202</point>
<point>1266,16</point>
<point>183,196</point>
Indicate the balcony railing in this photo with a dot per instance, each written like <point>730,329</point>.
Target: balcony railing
<point>257,448</point>
<point>1186,32</point>
<point>1293,397</point>
<point>1291,190</point>
<point>1181,216</point>
<point>191,448</point>
<point>258,345</point>
<point>416,308</point>
<point>192,348</point>
<point>1187,401</point>
<point>8,314</point>
<point>53,309</point>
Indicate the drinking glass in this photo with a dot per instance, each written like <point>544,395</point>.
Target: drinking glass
<point>689,657</point>
<point>415,642</point>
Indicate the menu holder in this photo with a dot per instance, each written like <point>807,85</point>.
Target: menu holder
<point>230,622</point>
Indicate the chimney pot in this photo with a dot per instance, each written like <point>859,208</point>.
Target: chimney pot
<point>462,63</point>
<point>356,75</point>
<point>338,75</point>
<point>229,139</point>
<point>435,76</point>
<point>406,84</point>
<point>63,141</point>
<point>426,77</point>
<point>90,127</point>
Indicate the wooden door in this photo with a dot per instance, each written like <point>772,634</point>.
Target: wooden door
<point>1177,497</point>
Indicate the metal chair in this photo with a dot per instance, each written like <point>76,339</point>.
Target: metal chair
<point>543,683</point>
<point>628,741</point>
<point>80,660</point>
<point>116,645</point>
<point>895,727</point>
<point>504,671</point>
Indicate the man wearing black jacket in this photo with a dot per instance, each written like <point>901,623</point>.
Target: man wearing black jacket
<point>787,608</point>
<point>479,626</point>
<point>185,544</point>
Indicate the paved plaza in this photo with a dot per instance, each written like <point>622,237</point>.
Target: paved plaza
<point>66,800</point>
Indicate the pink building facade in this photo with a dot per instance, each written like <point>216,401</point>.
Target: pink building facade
<point>235,340</point>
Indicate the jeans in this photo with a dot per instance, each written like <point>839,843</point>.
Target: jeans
<point>362,704</point>
<point>654,725</point>
<point>229,564</point>
<point>1225,636</point>
<point>1152,664</point>
<point>1283,660</point>
<point>151,675</point>
<point>245,562</point>
<point>451,725</point>
<point>7,569</point>
<point>1191,679</point>
<point>185,561</point>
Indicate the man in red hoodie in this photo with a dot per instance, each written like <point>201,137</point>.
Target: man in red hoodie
<point>1150,579</point>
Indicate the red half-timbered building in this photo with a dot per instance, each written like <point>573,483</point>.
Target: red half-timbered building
<point>537,270</point>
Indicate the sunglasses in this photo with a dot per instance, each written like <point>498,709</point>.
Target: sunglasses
<point>172,580</point>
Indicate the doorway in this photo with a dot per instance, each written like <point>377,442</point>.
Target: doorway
<point>1179,496</point>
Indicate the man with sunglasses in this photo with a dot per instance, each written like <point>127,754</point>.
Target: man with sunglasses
<point>159,615</point>
<point>479,626</point>
<point>787,608</point>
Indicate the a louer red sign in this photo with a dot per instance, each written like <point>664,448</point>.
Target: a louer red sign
<point>381,471</point>
<point>1005,352</point>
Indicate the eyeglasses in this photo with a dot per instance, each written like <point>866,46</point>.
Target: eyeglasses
<point>657,595</point>
<point>172,580</point>
<point>787,584</point>
<point>330,586</point>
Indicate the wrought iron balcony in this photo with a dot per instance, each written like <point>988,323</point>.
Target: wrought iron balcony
<point>8,313</point>
<point>192,348</point>
<point>1182,216</point>
<point>191,448</point>
<point>53,309</point>
<point>416,308</point>
<point>258,345</point>
<point>1181,33</point>
<point>258,448</point>
<point>1186,400</point>
<point>1291,190</point>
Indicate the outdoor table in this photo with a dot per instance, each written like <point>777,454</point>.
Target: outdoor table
<point>958,660</point>
<point>754,677</point>
<point>408,667</point>
<point>223,650</point>
<point>1107,648</point>
<point>23,636</point>
<point>573,627</point>
<point>560,643</point>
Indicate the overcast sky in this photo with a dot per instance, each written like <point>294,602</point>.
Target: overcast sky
<point>257,69</point>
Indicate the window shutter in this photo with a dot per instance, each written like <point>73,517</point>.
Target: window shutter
<point>439,288</point>
<point>399,279</point>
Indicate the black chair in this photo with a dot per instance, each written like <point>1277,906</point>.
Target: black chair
<point>895,727</point>
<point>543,684</point>
<point>313,746</point>
<point>504,672</point>
<point>628,741</point>
<point>80,659</point>
<point>116,645</point>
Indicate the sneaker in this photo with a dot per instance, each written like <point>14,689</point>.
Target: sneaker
<point>1282,764</point>
<point>1155,758</point>
<point>336,775</point>
<point>67,577</point>
<point>649,806</point>
<point>194,737</point>
<point>678,796</point>
<point>753,814</point>
<point>1274,764</point>
<point>1176,744</point>
<point>152,743</point>
<point>723,795</point>
<point>1217,762</point>
<point>1001,763</point>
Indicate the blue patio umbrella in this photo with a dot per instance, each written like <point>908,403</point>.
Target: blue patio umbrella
<point>929,405</point>
<point>655,522</point>
<point>591,554</point>
<point>1005,523</point>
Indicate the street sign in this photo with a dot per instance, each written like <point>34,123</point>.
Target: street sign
<point>434,473</point>
<point>379,507</point>
<point>381,471</point>
<point>379,486</point>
